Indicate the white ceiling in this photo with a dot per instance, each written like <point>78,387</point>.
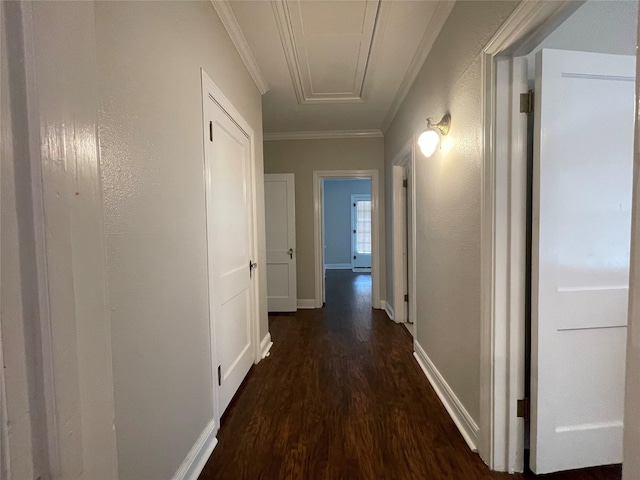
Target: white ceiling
<point>339,67</point>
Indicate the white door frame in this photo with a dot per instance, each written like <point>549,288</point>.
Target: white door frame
<point>318,233</point>
<point>501,435</point>
<point>404,159</point>
<point>210,88</point>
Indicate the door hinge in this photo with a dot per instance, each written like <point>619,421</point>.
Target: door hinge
<point>252,267</point>
<point>405,183</point>
<point>523,408</point>
<point>526,102</point>
<point>406,297</point>
<point>211,131</point>
<point>219,375</point>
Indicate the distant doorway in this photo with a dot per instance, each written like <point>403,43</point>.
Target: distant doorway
<point>343,231</point>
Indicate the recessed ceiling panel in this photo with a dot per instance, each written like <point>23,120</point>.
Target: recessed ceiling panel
<point>327,45</point>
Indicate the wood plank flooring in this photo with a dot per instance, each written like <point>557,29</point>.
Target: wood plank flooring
<point>341,397</point>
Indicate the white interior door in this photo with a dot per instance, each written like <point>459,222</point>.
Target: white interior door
<point>229,231</point>
<point>583,160</point>
<point>361,231</point>
<point>279,192</point>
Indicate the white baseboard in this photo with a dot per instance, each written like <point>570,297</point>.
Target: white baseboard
<point>198,455</point>
<point>467,426</point>
<point>265,345</point>
<point>388,308</point>
<point>306,303</point>
<point>338,266</point>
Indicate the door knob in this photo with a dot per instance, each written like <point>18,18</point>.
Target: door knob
<point>290,252</point>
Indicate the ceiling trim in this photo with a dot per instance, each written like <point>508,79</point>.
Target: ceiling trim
<point>223,8</point>
<point>299,69</point>
<point>436,22</point>
<point>321,135</point>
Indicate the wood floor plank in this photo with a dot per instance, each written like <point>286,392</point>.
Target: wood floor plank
<point>341,397</point>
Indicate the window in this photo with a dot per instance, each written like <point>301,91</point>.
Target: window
<point>363,226</point>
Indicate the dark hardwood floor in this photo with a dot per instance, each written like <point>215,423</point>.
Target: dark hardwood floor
<point>341,397</point>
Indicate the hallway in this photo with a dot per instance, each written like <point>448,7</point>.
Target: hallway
<point>341,397</point>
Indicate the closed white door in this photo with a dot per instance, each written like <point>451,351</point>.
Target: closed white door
<point>583,161</point>
<point>279,193</point>
<point>361,231</point>
<point>229,231</point>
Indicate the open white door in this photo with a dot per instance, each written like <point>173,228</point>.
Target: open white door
<point>229,232</point>
<point>583,160</point>
<point>279,192</point>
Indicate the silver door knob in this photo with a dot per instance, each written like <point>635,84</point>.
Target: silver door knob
<point>290,252</point>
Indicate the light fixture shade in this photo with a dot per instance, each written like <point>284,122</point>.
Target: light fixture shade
<point>428,142</point>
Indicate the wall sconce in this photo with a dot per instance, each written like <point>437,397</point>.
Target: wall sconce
<point>429,139</point>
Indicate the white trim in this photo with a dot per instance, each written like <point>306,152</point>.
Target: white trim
<point>501,441</point>
<point>210,88</point>
<point>386,306</point>
<point>460,416</point>
<point>265,345</point>
<point>228,19</point>
<point>306,303</point>
<point>338,266</point>
<point>436,22</point>
<point>318,177</point>
<point>197,457</point>
<point>361,270</point>
<point>321,135</point>
<point>54,433</point>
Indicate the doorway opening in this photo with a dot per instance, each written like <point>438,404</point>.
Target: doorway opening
<point>346,240</point>
<point>346,234</point>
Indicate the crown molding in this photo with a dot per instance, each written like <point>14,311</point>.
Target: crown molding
<point>283,22</point>
<point>223,8</point>
<point>436,22</point>
<point>322,135</point>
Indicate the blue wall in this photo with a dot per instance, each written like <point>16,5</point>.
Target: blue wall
<point>337,217</point>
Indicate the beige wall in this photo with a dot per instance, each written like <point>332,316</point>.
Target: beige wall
<point>149,57</point>
<point>448,195</point>
<point>302,157</point>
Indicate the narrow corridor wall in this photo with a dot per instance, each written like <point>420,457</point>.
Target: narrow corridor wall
<point>448,187</point>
